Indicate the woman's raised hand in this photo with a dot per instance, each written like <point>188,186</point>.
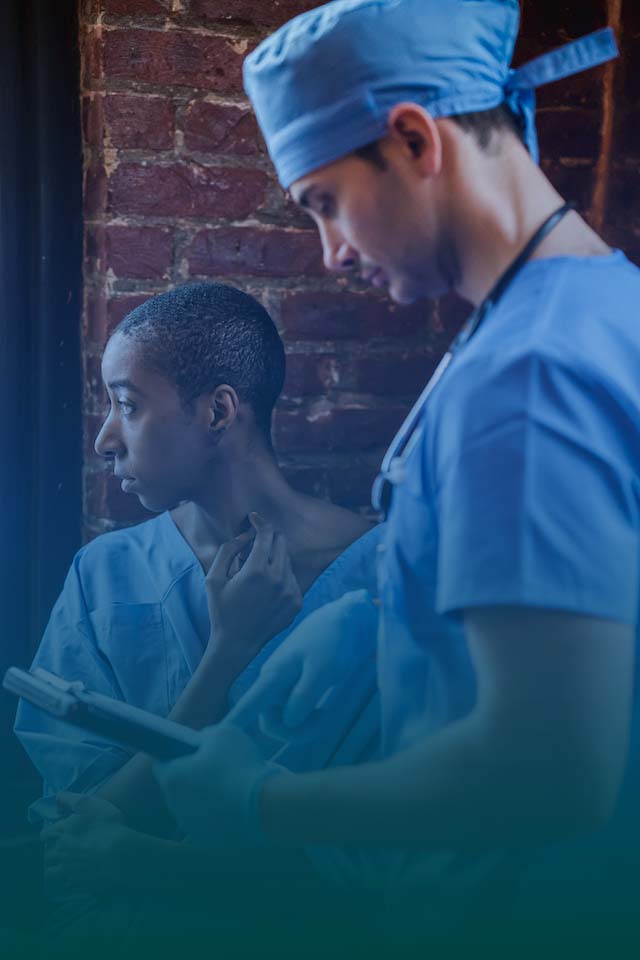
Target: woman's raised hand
<point>250,605</point>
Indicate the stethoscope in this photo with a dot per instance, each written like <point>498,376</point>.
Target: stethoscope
<point>392,469</point>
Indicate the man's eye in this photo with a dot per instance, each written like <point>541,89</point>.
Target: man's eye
<point>326,208</point>
<point>125,407</point>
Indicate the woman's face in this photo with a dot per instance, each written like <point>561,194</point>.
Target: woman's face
<point>158,449</point>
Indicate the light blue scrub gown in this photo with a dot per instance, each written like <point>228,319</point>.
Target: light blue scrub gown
<point>522,488</point>
<point>132,622</point>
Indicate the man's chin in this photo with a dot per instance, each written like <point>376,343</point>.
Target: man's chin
<point>406,292</point>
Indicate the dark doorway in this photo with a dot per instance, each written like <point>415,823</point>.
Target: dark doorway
<point>40,308</point>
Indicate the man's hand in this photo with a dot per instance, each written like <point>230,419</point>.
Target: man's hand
<point>213,793</point>
<point>84,851</point>
<point>250,605</point>
<point>313,668</point>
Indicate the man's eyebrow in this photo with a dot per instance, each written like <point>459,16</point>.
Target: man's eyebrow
<point>127,384</point>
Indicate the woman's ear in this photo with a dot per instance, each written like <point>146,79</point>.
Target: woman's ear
<point>223,408</point>
<point>416,132</point>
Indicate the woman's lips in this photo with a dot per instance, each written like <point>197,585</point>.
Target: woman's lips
<point>127,483</point>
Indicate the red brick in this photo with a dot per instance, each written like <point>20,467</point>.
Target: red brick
<point>95,190</point>
<point>102,315</point>
<point>174,57</point>
<point>257,251</point>
<point>624,194</point>
<point>143,123</point>
<point>393,376</point>
<point>627,134</point>
<point>92,60</point>
<point>338,316</point>
<point>626,239</point>
<point>104,498</point>
<point>311,374</point>
<point>89,10</point>
<point>347,485</point>
<point>573,183</point>
<point>93,121</point>
<point>570,133</point>
<point>94,392</point>
<point>136,8</point>
<point>326,427</point>
<point>219,128</point>
<point>139,252</point>
<point>554,23</point>
<point>119,307</point>
<point>186,190</point>
<point>95,316</point>
<point>627,97</point>
<point>628,74</point>
<point>270,14</point>
<point>581,90</point>
<point>94,249</point>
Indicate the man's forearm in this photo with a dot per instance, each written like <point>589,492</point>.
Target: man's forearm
<point>463,789</point>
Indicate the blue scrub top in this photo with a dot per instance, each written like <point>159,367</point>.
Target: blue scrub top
<point>132,623</point>
<point>523,488</point>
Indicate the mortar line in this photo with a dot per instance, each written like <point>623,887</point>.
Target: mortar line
<point>603,166</point>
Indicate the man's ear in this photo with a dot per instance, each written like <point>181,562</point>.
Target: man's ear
<point>416,132</point>
<point>223,408</point>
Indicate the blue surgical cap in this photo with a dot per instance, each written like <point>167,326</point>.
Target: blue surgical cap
<point>323,85</point>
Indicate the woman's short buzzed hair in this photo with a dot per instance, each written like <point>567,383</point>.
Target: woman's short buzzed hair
<point>201,335</point>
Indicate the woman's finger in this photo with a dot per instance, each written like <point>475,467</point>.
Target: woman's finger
<point>258,559</point>
<point>279,554</point>
<point>220,569</point>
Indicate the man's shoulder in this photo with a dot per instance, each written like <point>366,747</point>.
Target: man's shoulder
<point>570,293</point>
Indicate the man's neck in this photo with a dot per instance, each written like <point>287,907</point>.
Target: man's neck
<point>497,211</point>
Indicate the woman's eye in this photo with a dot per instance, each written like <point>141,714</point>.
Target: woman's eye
<point>125,407</point>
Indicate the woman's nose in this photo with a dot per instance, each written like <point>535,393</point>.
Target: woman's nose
<point>107,443</point>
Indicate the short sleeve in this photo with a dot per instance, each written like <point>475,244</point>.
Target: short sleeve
<point>67,757</point>
<point>537,495</point>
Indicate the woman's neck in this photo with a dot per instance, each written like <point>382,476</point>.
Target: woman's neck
<point>316,531</point>
<point>221,510</point>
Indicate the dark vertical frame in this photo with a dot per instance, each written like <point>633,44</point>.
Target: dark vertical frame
<point>40,312</point>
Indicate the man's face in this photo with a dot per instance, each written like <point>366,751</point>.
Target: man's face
<point>380,222</point>
<point>158,450</point>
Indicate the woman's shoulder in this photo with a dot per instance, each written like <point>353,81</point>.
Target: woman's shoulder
<point>129,565</point>
<point>113,545</point>
<point>347,560</point>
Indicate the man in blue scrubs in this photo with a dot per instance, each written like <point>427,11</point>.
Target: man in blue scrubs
<point>510,574</point>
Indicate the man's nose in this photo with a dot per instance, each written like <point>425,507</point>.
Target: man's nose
<point>108,444</point>
<point>338,255</point>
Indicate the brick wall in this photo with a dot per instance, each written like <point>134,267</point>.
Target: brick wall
<point>178,186</point>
